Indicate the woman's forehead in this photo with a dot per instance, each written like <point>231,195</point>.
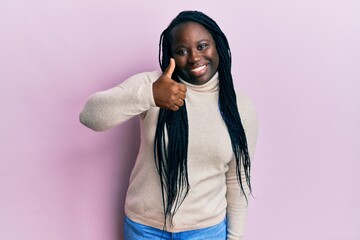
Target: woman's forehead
<point>189,31</point>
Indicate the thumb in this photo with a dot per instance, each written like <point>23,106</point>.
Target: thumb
<point>170,69</point>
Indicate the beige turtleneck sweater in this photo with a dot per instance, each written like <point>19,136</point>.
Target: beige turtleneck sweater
<point>214,191</point>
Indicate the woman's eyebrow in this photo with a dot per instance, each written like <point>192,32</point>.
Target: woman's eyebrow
<point>181,45</point>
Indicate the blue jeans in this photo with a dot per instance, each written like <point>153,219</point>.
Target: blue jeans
<point>137,231</point>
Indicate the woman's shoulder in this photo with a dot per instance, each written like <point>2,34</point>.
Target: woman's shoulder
<point>246,109</point>
<point>142,77</point>
<point>148,75</point>
<point>243,101</point>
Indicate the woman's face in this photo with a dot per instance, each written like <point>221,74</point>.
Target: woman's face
<point>194,51</point>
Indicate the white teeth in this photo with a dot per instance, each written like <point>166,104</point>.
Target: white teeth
<point>198,69</point>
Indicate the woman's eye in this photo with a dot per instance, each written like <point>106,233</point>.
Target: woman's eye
<point>202,46</point>
<point>182,52</point>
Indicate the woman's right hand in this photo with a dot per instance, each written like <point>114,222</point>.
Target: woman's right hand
<point>168,93</point>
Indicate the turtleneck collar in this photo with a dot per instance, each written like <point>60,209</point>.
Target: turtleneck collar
<point>211,86</point>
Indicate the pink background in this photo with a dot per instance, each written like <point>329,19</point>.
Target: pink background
<point>298,60</point>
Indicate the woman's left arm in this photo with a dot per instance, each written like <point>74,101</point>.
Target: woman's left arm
<point>236,201</point>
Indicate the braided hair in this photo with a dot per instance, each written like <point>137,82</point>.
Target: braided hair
<point>172,132</point>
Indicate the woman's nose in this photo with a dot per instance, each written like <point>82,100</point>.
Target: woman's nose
<point>194,57</point>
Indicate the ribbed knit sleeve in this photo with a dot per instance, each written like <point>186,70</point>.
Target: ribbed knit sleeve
<point>236,202</point>
<point>107,109</point>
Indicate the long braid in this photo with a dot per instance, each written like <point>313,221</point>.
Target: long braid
<point>171,155</point>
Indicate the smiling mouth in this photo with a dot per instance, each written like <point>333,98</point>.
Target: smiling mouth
<point>198,69</point>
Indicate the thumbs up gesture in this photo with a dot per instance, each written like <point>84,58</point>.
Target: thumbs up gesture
<point>168,93</point>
